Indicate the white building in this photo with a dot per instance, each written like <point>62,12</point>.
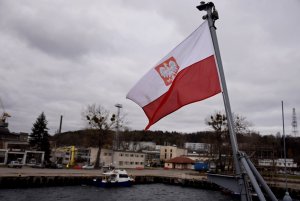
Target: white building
<point>201,147</point>
<point>152,157</point>
<point>119,159</point>
<point>168,152</point>
<point>124,159</point>
<point>280,163</point>
<point>137,146</point>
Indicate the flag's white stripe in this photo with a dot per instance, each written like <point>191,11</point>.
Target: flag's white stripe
<point>196,47</point>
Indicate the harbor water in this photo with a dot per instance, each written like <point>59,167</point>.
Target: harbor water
<point>146,192</point>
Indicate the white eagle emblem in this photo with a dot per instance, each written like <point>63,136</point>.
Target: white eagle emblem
<point>168,70</point>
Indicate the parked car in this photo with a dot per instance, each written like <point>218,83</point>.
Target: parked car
<point>59,166</point>
<point>88,166</point>
<point>38,165</point>
<point>15,164</point>
<point>50,165</point>
<point>32,161</point>
<point>107,168</point>
<point>53,165</point>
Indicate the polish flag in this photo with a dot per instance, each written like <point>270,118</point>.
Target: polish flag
<point>186,75</point>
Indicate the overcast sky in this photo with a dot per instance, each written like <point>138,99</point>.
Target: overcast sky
<point>57,57</point>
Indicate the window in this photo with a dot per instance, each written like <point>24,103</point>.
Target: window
<point>126,155</point>
<point>123,175</point>
<point>142,163</point>
<point>165,155</point>
<point>121,154</point>
<point>105,154</point>
<point>136,163</point>
<point>109,154</point>
<point>136,155</point>
<point>131,163</point>
<point>165,150</point>
<point>171,150</point>
<point>170,155</point>
<point>131,155</point>
<point>142,156</point>
<point>120,163</point>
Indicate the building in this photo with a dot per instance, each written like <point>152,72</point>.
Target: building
<point>13,140</point>
<point>152,158</point>
<point>180,162</point>
<point>15,147</point>
<point>278,163</point>
<point>106,156</point>
<point>199,157</point>
<point>137,146</point>
<point>118,158</point>
<point>124,159</point>
<point>168,152</point>
<point>71,155</point>
<point>199,147</point>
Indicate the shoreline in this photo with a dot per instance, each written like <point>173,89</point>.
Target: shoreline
<point>28,177</point>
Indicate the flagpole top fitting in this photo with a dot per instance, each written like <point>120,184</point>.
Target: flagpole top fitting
<point>211,11</point>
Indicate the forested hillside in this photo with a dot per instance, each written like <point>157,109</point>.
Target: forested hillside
<point>252,143</point>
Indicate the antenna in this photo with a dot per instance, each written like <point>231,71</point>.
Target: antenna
<point>294,123</point>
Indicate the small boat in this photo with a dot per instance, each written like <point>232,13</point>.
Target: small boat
<point>115,178</point>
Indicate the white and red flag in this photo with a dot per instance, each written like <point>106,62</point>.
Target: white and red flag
<point>186,75</point>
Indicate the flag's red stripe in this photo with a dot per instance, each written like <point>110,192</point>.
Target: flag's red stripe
<point>194,83</point>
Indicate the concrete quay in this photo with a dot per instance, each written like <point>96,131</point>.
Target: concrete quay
<point>28,177</point>
<point>28,171</point>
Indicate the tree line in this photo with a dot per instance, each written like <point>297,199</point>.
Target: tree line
<point>102,128</point>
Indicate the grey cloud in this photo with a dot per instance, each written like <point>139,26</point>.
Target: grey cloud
<point>60,60</point>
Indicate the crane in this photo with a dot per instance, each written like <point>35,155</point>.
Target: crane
<point>3,116</point>
<point>70,150</point>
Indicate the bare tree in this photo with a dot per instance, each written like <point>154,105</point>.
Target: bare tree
<point>218,122</point>
<point>101,120</point>
<point>241,125</point>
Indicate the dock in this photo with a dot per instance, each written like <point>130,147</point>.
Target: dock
<point>27,177</point>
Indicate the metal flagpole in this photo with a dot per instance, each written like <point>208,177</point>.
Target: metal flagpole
<point>243,165</point>
<point>211,16</point>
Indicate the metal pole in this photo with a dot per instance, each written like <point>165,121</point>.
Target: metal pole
<point>60,124</point>
<point>253,180</point>
<point>284,152</point>
<point>211,17</point>
<point>119,106</point>
<point>261,180</point>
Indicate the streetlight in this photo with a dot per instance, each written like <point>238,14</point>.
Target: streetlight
<point>119,106</point>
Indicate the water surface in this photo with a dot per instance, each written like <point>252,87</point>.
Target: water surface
<point>146,192</point>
